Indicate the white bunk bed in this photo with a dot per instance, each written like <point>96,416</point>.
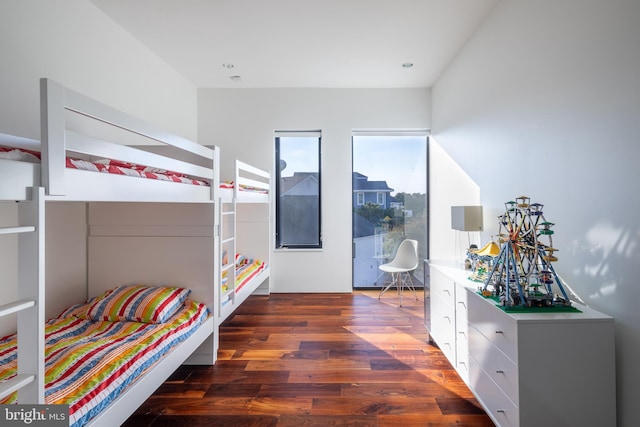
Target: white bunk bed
<point>245,237</point>
<point>123,246</point>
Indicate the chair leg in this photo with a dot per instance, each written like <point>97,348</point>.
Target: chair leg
<point>405,281</point>
<point>409,284</point>
<point>391,283</point>
<point>401,281</point>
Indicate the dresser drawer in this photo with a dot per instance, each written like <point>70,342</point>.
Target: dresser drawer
<point>497,326</point>
<point>502,370</point>
<point>442,287</point>
<point>462,354</point>
<point>462,334</point>
<point>503,411</point>
<point>443,327</point>
<point>461,304</point>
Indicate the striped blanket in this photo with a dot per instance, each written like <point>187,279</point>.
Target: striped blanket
<point>230,185</point>
<point>246,270</point>
<point>104,166</point>
<point>88,364</point>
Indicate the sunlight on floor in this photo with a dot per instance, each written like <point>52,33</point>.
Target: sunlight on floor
<point>407,339</point>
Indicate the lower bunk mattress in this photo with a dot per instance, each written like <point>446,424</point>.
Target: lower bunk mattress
<point>90,362</point>
<point>246,269</point>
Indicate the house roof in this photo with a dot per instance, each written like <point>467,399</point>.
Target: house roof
<point>300,183</point>
<point>362,227</point>
<point>361,183</point>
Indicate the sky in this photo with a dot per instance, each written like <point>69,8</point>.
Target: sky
<point>399,160</point>
<point>300,154</point>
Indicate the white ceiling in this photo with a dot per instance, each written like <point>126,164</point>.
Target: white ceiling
<point>302,43</point>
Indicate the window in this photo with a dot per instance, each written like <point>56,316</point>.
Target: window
<point>360,199</point>
<point>390,169</point>
<point>298,181</point>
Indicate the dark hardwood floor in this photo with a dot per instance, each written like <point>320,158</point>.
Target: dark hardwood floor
<point>318,360</point>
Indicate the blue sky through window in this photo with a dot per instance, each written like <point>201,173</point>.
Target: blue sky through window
<point>399,160</point>
<point>299,153</point>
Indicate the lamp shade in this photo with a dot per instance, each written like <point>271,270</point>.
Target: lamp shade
<point>466,218</point>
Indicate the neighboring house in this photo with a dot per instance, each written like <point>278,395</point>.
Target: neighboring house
<point>299,196</point>
<point>368,237</point>
<point>368,254</point>
<point>396,204</point>
<point>376,192</point>
<point>301,183</point>
<point>362,226</point>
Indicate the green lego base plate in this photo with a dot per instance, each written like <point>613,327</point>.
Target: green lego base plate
<point>556,308</point>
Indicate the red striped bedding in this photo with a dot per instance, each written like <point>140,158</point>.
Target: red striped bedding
<point>246,270</point>
<point>105,166</point>
<point>88,364</point>
<point>242,187</point>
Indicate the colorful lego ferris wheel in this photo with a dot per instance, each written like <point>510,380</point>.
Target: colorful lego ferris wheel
<point>523,273</point>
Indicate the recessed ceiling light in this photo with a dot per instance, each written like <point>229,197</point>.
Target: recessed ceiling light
<point>228,66</point>
<point>407,65</point>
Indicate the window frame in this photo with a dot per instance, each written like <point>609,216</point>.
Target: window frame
<point>277,231</point>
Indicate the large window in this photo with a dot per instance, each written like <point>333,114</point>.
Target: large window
<point>298,222</point>
<point>390,170</point>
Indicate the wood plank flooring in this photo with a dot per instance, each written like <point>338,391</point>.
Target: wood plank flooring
<point>318,360</point>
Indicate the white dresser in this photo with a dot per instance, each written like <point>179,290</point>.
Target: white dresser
<point>526,369</point>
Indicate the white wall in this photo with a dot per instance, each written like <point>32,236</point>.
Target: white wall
<point>65,256</point>
<point>544,101</point>
<point>449,185</point>
<point>243,121</point>
<point>8,264</point>
<point>73,42</point>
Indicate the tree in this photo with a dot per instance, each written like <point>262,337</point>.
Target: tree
<point>374,213</point>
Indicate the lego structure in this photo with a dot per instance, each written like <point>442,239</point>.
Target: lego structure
<point>522,273</point>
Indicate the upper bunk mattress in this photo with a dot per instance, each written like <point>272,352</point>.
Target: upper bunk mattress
<point>104,166</point>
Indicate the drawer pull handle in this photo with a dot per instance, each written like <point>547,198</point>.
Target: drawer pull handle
<point>501,411</point>
<point>499,332</point>
<point>447,291</point>
<point>500,372</point>
<point>463,304</point>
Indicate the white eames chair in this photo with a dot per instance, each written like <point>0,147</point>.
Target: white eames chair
<point>400,268</point>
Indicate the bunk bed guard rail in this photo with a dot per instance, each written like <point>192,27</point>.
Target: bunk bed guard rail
<point>58,103</point>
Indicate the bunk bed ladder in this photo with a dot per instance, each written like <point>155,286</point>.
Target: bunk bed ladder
<point>228,245</point>
<point>29,381</point>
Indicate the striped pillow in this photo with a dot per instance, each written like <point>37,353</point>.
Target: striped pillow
<point>137,303</point>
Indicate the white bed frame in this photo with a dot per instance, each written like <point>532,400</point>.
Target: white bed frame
<point>245,229</point>
<point>17,176</point>
<point>74,123</point>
